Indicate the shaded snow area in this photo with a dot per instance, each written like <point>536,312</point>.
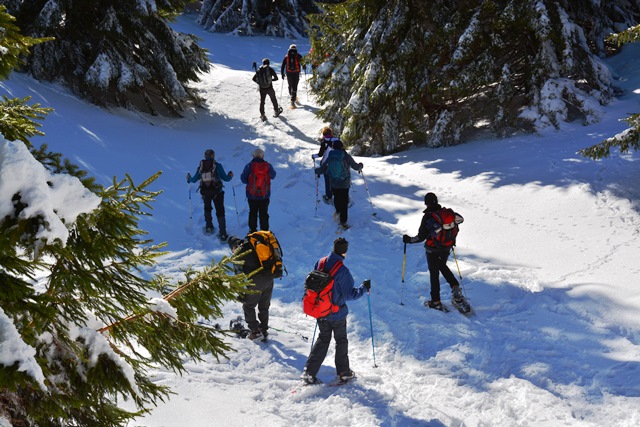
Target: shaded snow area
<point>548,255</point>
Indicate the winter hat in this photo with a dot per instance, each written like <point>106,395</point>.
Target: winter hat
<point>293,47</point>
<point>430,199</point>
<point>340,246</point>
<point>258,153</point>
<point>209,154</point>
<point>234,242</point>
<point>337,145</point>
<point>266,61</point>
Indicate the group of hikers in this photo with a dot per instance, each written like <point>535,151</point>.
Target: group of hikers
<point>438,229</point>
<point>265,76</point>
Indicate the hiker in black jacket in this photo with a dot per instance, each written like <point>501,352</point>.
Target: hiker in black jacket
<point>261,283</point>
<point>264,77</point>
<point>291,65</point>
<point>436,256</point>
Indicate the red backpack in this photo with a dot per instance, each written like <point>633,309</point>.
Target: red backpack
<point>259,181</point>
<point>292,62</point>
<point>443,229</point>
<point>317,300</point>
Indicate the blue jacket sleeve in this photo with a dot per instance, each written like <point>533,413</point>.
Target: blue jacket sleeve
<point>196,176</point>
<point>245,174</point>
<point>221,173</point>
<point>272,171</point>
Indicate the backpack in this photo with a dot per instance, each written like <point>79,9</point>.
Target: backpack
<point>338,167</point>
<point>209,180</point>
<point>318,285</point>
<point>264,77</point>
<point>259,181</point>
<point>269,252</point>
<point>443,229</point>
<point>293,64</point>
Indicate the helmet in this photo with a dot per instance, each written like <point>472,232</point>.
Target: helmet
<point>266,61</point>
<point>209,154</point>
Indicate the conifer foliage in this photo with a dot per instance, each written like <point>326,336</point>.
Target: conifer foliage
<point>434,73</point>
<point>114,52</point>
<point>80,326</point>
<point>279,18</point>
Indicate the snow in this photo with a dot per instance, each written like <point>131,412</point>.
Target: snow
<point>548,255</point>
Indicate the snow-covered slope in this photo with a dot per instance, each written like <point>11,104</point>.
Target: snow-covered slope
<point>548,255</point>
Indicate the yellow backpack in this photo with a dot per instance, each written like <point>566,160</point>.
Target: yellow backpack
<point>269,252</point>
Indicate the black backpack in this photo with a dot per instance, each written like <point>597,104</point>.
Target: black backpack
<point>264,77</point>
<point>209,182</point>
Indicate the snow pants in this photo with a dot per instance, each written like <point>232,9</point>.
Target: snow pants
<point>218,202</point>
<point>321,347</point>
<point>341,203</point>
<point>437,262</point>
<point>261,299</point>
<point>272,95</point>
<point>258,208</point>
<point>292,82</point>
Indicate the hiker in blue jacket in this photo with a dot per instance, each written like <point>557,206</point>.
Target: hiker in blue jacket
<point>326,145</point>
<point>335,323</point>
<point>211,174</point>
<point>257,174</point>
<point>337,165</point>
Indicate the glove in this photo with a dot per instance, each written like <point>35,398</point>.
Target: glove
<point>283,76</point>
<point>367,284</point>
<point>360,166</point>
<point>406,238</point>
<point>188,177</point>
<point>231,174</point>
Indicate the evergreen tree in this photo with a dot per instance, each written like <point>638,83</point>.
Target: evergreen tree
<point>79,325</point>
<point>114,52</point>
<point>629,140</point>
<point>408,71</point>
<point>280,18</point>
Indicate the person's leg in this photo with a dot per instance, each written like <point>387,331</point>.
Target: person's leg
<point>341,202</point>
<point>253,215</point>
<point>263,210</point>
<point>272,94</point>
<point>263,95</point>
<point>327,185</point>
<point>208,220</point>
<point>295,78</point>
<point>433,261</point>
<point>446,272</point>
<point>218,202</point>
<point>320,348</point>
<point>249,308</point>
<point>342,346</point>
<point>263,307</point>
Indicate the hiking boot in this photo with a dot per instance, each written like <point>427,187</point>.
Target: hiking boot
<point>308,379</point>
<point>293,104</point>
<point>336,217</point>
<point>264,331</point>
<point>344,225</point>
<point>263,117</point>
<point>208,229</point>
<point>255,334</point>
<point>346,376</point>
<point>436,305</point>
<point>277,112</point>
<point>223,236</point>
<point>456,294</point>
<point>327,199</point>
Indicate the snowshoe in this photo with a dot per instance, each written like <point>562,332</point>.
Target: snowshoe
<point>209,229</point>
<point>277,112</point>
<point>459,301</point>
<point>328,200</point>
<point>263,118</point>
<point>436,305</point>
<point>309,379</point>
<point>223,237</point>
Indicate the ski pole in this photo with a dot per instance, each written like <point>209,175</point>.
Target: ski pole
<point>281,88</point>
<point>404,264</point>
<point>316,175</point>
<point>459,274</point>
<point>314,336</point>
<point>306,88</point>
<point>190,207</point>
<point>373,348</point>
<point>368,194</point>
<point>235,203</point>
<point>289,332</point>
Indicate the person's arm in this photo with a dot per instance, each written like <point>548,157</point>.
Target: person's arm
<point>244,177</point>
<point>272,171</point>
<point>195,177</point>
<point>355,166</point>
<point>222,174</point>
<point>423,232</point>
<point>273,74</point>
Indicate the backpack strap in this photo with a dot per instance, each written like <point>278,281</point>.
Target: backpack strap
<point>333,270</point>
